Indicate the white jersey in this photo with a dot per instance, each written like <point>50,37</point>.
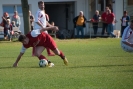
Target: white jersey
<point>40,17</point>
<point>127,37</point>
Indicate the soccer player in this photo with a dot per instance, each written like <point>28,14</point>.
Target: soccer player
<point>127,38</point>
<point>39,40</point>
<point>41,22</point>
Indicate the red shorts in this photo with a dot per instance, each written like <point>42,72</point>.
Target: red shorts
<point>50,43</point>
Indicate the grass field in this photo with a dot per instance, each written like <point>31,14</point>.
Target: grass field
<point>93,64</point>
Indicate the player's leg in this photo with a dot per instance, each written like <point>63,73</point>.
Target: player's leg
<point>52,45</point>
<point>49,52</point>
<point>38,53</point>
<point>60,53</point>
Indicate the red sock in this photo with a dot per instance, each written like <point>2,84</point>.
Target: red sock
<point>42,57</point>
<point>62,55</point>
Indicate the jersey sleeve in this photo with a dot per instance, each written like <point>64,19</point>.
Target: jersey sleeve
<point>37,16</point>
<point>23,49</point>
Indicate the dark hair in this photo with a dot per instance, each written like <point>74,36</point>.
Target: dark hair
<point>21,38</point>
<point>125,12</point>
<point>40,2</point>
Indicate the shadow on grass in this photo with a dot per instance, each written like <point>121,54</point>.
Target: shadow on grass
<point>10,67</point>
<point>7,67</point>
<point>3,41</point>
<point>103,66</point>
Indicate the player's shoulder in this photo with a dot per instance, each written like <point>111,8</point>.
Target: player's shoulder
<point>38,11</point>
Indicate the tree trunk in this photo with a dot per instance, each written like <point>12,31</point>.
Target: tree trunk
<point>25,9</point>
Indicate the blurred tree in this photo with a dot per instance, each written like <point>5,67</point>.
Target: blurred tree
<point>25,9</point>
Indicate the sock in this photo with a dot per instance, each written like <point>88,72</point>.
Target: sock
<point>62,55</point>
<point>49,61</point>
<point>42,57</point>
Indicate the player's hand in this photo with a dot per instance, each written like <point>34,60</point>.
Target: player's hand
<point>15,64</point>
<point>55,28</point>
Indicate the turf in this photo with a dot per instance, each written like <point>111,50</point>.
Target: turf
<point>98,63</point>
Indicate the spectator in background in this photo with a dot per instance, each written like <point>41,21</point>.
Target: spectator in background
<point>79,23</point>
<point>31,20</point>
<point>4,22</point>
<point>16,18</point>
<point>95,21</point>
<point>124,21</point>
<point>110,19</point>
<point>9,30</point>
<point>104,21</point>
<point>115,21</point>
<point>13,24</point>
<point>52,24</point>
<point>110,7</point>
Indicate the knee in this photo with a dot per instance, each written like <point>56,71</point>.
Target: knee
<point>37,54</point>
<point>57,52</point>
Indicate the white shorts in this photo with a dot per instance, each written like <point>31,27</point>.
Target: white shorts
<point>126,48</point>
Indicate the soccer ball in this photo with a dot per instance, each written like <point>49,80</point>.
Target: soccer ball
<point>43,63</point>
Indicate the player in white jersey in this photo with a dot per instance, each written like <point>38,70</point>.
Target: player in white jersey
<point>127,38</point>
<point>40,22</point>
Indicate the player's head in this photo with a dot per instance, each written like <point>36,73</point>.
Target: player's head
<point>23,39</point>
<point>131,25</point>
<point>41,5</point>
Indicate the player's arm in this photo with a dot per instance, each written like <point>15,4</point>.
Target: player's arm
<point>53,28</point>
<point>19,56</point>
<point>18,59</point>
<point>128,43</point>
<point>40,24</point>
<point>48,24</point>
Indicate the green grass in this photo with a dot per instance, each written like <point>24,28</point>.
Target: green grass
<point>93,64</point>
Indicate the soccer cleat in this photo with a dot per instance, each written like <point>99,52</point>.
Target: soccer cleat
<point>65,61</point>
<point>50,64</point>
